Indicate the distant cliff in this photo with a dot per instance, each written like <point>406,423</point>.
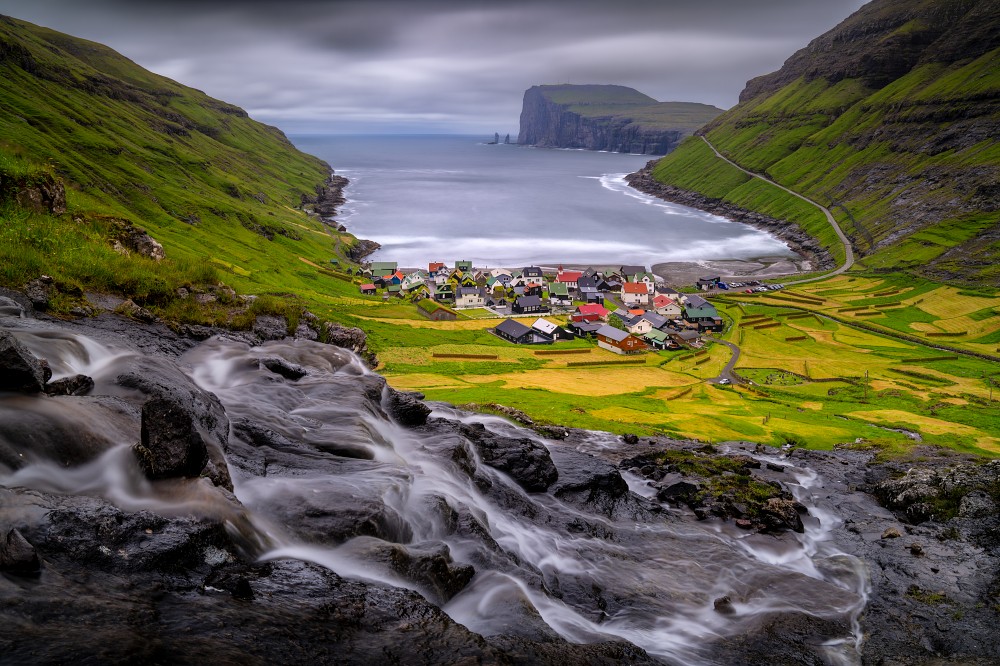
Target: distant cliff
<point>605,117</point>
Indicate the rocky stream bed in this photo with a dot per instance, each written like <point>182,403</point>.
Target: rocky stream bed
<point>166,499</point>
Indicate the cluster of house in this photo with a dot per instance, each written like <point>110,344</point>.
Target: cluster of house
<point>651,315</point>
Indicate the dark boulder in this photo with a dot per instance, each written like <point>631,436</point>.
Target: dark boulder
<point>17,555</point>
<point>201,417</point>
<point>40,291</point>
<point>347,337</point>
<point>171,445</point>
<point>75,385</point>
<point>587,480</point>
<point>778,514</point>
<point>19,369</point>
<point>429,566</point>
<point>681,492</point>
<point>280,366</point>
<point>525,460</point>
<point>407,408</point>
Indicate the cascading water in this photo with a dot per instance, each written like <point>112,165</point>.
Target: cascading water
<point>323,474</point>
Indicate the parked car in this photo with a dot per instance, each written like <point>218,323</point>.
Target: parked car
<point>724,380</point>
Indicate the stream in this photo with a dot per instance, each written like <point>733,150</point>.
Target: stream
<point>324,474</point>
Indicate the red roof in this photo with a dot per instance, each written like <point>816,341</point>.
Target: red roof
<point>635,288</point>
<point>366,287</point>
<point>435,267</point>
<point>593,308</point>
<point>569,276</point>
<point>399,274</point>
<point>638,312</point>
<point>662,301</point>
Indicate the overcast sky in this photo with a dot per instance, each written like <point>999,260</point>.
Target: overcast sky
<point>396,66</point>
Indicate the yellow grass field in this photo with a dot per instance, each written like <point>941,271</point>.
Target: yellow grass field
<point>602,380</point>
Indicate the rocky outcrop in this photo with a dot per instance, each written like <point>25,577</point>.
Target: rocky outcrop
<point>611,118</point>
<point>361,248</point>
<point>526,461</point>
<point>328,198</point>
<point>797,239</point>
<point>39,192</point>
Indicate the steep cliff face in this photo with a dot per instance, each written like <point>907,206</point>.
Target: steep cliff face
<point>891,120</point>
<point>613,118</point>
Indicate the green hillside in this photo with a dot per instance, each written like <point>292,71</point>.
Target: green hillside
<point>220,191</point>
<point>891,119</point>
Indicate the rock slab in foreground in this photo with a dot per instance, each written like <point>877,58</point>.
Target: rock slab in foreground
<point>19,369</point>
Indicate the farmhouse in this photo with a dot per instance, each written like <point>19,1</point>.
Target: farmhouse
<point>591,312</point>
<point>529,305</point>
<point>368,289</point>
<point>620,342</point>
<point>470,297</point>
<point>559,294</point>
<point>666,306</point>
<point>635,293</point>
<point>381,268</point>
<point>516,332</point>
<point>435,311</point>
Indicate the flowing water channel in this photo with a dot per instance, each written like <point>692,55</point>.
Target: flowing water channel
<point>587,568</point>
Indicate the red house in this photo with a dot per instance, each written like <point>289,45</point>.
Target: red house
<point>569,278</point>
<point>591,312</point>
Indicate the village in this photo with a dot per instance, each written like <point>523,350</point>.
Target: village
<point>624,308</point>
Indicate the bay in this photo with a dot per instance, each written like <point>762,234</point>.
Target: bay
<point>446,198</point>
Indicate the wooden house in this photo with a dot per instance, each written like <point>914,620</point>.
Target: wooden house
<point>516,332</point>
<point>368,289</point>
<point>667,306</point>
<point>635,293</point>
<point>529,305</point>
<point>470,297</point>
<point>618,341</point>
<point>435,311</point>
<point>591,312</point>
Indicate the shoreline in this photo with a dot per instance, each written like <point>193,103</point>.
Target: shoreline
<point>797,240</point>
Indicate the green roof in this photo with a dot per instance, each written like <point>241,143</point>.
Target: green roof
<point>658,336</point>
<point>707,311</point>
<point>558,289</point>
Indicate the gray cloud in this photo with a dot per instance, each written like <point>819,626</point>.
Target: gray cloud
<point>389,65</point>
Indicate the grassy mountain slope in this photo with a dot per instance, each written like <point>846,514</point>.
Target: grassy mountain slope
<point>892,120</point>
<point>216,188</point>
<point>610,101</point>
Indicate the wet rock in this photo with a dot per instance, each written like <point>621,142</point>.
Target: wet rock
<point>352,338</point>
<point>590,481</point>
<point>75,385</point>
<point>171,445</point>
<point>724,606</point>
<point>891,533</point>
<point>268,327</point>
<point>681,492</point>
<point>630,438</point>
<point>17,555</point>
<point>19,369</point>
<point>286,369</point>
<point>780,638</point>
<point>527,461</point>
<point>10,308</point>
<point>407,408</point>
<point>201,417</point>
<point>430,566</point>
<point>40,292</point>
<point>196,331</point>
<point>779,514</point>
<point>515,415</point>
<point>916,549</point>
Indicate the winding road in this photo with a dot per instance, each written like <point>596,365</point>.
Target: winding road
<point>848,250</point>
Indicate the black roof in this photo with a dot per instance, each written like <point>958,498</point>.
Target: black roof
<point>513,328</point>
<point>632,270</point>
<point>528,301</point>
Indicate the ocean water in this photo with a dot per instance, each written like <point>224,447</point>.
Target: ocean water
<point>447,198</point>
